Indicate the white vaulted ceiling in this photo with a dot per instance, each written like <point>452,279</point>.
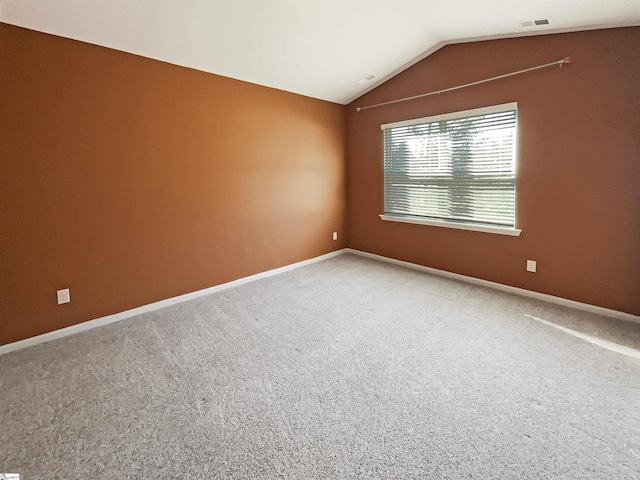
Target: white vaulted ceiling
<point>318,48</point>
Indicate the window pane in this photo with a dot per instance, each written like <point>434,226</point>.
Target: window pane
<point>460,169</point>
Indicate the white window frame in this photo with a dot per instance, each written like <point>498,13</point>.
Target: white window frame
<point>512,231</point>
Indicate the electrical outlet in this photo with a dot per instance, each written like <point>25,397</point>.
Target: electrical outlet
<point>63,296</point>
<point>335,235</point>
<point>531,266</point>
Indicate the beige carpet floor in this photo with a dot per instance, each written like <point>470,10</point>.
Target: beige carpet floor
<point>347,368</point>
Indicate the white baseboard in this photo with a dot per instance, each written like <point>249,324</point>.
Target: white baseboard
<point>607,312</point>
<point>116,317</point>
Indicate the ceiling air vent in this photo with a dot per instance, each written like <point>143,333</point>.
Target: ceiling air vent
<point>366,80</point>
<point>541,22</point>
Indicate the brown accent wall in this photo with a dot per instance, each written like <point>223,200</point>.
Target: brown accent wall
<point>578,186</point>
<point>130,180</point>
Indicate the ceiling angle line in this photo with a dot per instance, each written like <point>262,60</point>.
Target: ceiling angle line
<point>438,92</point>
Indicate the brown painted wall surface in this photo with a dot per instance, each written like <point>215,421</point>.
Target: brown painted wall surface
<point>578,187</point>
<point>130,180</point>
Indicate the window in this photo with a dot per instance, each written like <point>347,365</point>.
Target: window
<point>456,170</point>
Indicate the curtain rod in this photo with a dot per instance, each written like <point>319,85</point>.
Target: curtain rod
<point>438,92</point>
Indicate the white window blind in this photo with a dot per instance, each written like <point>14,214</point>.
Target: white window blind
<point>458,167</point>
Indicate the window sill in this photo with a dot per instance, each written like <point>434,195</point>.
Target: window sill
<point>514,232</point>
